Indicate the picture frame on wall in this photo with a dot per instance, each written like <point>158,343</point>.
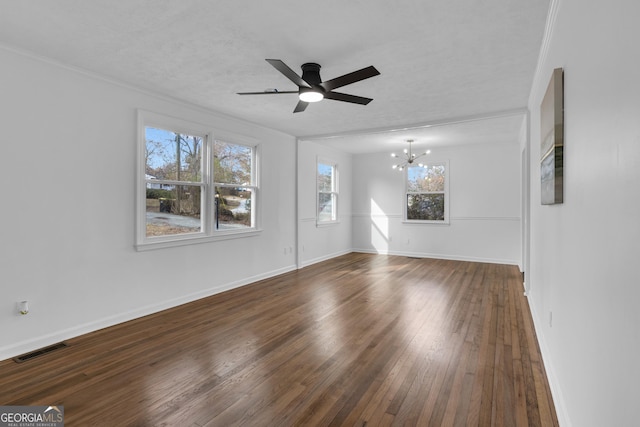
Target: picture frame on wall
<point>552,141</point>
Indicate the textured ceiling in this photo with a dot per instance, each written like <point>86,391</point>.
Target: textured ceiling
<point>504,128</point>
<point>439,60</point>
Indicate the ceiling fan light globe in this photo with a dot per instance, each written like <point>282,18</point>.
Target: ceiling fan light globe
<point>311,96</point>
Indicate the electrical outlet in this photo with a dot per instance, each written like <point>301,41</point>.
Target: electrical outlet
<point>551,319</point>
<point>23,307</point>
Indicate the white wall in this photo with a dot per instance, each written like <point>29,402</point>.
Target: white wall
<point>67,220</point>
<point>484,206</point>
<point>318,243</point>
<point>584,251</point>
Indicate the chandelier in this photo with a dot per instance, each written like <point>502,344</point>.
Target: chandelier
<point>408,157</point>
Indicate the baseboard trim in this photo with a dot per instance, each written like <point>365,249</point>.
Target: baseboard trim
<point>554,385</point>
<point>306,263</point>
<point>439,256</point>
<point>15,349</point>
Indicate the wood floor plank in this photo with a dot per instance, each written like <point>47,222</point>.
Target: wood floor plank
<point>359,340</point>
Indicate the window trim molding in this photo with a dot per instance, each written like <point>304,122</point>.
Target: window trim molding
<point>207,233</point>
<point>196,238</point>
<point>335,192</point>
<point>447,196</point>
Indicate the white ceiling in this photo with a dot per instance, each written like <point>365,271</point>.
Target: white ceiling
<point>440,61</point>
<point>503,128</point>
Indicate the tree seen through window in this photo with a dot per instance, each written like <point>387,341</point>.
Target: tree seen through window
<point>426,192</point>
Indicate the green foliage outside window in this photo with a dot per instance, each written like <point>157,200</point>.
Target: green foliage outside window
<point>425,198</point>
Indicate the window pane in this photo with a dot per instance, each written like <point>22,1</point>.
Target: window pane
<point>425,207</point>
<point>173,209</point>
<point>232,163</point>
<point>325,178</point>
<point>326,207</point>
<point>425,178</point>
<point>233,207</point>
<point>173,156</point>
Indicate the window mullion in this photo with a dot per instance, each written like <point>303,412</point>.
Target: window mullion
<point>172,182</point>
<point>207,178</point>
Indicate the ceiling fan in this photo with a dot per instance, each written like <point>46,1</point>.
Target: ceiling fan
<point>311,88</point>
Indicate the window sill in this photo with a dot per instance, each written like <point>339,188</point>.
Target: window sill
<point>424,222</point>
<point>326,224</point>
<point>195,239</point>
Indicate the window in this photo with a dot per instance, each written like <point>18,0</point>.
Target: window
<point>327,180</point>
<point>234,185</point>
<point>192,186</point>
<point>174,182</point>
<point>427,193</point>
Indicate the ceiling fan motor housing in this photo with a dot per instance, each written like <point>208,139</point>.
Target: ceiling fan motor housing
<point>311,73</point>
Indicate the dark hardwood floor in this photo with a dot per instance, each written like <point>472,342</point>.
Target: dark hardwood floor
<point>359,340</point>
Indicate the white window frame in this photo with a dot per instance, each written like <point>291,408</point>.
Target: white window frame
<point>335,192</point>
<point>208,231</point>
<point>446,193</point>
<point>253,185</point>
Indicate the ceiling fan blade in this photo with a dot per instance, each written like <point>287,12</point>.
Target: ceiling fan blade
<point>267,92</point>
<point>337,96</point>
<point>347,79</point>
<point>300,107</point>
<point>288,72</point>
